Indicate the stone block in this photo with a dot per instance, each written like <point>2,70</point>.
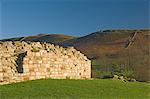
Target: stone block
<point>26,70</point>
<point>26,78</point>
<point>37,54</point>
<point>30,62</point>
<point>31,77</point>
<point>25,66</point>
<point>40,61</point>
<point>32,73</point>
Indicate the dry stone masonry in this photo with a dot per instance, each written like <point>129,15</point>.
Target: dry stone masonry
<point>20,61</point>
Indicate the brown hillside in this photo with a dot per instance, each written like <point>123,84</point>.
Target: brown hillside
<point>109,49</point>
<point>49,38</point>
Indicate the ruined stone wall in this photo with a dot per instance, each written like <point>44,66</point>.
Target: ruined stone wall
<point>20,61</point>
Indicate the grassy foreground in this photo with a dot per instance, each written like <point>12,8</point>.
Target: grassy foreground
<point>75,89</point>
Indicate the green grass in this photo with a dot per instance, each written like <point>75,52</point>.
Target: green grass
<point>75,89</point>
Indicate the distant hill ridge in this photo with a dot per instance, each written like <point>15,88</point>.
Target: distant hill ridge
<point>49,38</point>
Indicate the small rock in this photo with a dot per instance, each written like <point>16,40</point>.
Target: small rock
<point>115,77</point>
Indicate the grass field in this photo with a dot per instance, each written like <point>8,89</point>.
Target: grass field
<point>75,89</point>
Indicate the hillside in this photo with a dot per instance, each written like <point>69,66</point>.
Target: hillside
<point>108,41</point>
<point>98,43</point>
<point>49,38</point>
<point>115,52</point>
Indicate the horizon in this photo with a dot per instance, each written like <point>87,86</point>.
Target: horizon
<point>74,18</point>
<point>71,35</point>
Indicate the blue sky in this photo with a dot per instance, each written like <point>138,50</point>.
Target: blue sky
<point>70,17</point>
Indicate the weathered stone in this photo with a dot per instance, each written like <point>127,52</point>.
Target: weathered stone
<point>19,62</point>
<point>115,77</point>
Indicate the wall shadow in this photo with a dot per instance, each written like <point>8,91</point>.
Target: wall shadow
<point>19,62</point>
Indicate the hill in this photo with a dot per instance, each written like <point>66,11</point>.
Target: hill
<point>49,38</point>
<point>108,41</point>
<point>121,52</point>
<point>76,89</point>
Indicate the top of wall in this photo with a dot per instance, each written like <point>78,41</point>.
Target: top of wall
<point>8,49</point>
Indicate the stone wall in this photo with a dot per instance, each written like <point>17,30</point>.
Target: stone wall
<point>20,61</point>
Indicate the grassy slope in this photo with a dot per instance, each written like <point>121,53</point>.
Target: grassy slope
<point>75,89</point>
